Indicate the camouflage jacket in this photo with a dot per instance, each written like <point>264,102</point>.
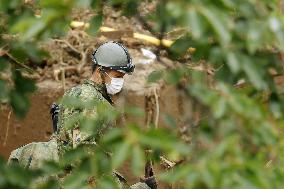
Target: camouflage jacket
<point>88,92</point>
<point>34,154</point>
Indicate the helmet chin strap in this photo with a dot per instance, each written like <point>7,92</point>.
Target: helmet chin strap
<point>103,76</point>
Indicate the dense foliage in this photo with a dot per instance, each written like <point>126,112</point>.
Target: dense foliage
<point>238,145</point>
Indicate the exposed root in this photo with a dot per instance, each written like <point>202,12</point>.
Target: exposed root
<point>57,72</point>
<point>157,108</point>
<point>63,79</point>
<point>7,129</point>
<point>152,108</point>
<point>149,108</point>
<point>77,45</point>
<point>68,44</point>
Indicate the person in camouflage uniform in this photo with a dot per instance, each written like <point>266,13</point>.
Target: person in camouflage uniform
<point>111,61</point>
<point>89,91</point>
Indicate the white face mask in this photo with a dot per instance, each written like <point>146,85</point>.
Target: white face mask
<point>115,85</point>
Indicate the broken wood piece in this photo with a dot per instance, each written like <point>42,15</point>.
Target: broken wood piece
<point>117,34</point>
<point>167,162</point>
<point>203,68</point>
<point>57,72</point>
<point>78,24</point>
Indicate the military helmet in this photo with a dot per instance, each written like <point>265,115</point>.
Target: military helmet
<point>114,56</point>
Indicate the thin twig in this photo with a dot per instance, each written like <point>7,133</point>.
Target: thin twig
<point>68,44</point>
<point>157,108</point>
<point>83,62</point>
<point>63,78</point>
<point>146,25</point>
<point>282,62</point>
<point>7,129</point>
<point>10,57</point>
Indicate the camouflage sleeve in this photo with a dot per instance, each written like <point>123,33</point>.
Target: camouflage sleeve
<point>70,138</point>
<point>34,154</point>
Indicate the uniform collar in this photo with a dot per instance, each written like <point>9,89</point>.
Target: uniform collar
<point>101,88</point>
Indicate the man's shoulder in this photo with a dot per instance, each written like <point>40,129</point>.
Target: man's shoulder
<point>33,154</point>
<point>84,91</point>
<point>74,91</point>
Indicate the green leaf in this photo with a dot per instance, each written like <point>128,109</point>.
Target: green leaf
<point>276,26</point>
<point>175,175</point>
<point>34,29</point>
<point>51,167</point>
<point>179,48</point>
<point>134,111</point>
<point>56,5</point>
<point>218,24</point>
<point>3,64</point>
<point>19,102</point>
<point>233,62</point>
<point>155,76</point>
<point>3,91</point>
<point>95,24</point>
<point>107,182</point>
<point>23,85</point>
<point>13,4</point>
<point>2,181</point>
<point>254,35</point>
<point>253,72</point>
<point>51,183</point>
<point>120,154</point>
<point>73,155</point>
<point>220,108</point>
<point>173,77</point>
<point>130,7</point>
<point>14,175</point>
<point>163,140</point>
<point>75,180</point>
<point>208,178</point>
<point>112,136</point>
<point>83,3</point>
<point>195,24</point>
<point>101,163</point>
<point>170,121</point>
<point>138,160</point>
